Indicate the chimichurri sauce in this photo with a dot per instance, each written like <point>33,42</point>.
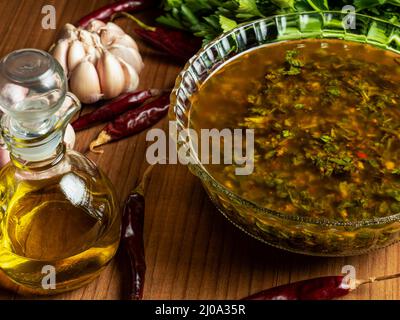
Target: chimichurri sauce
<point>326,115</point>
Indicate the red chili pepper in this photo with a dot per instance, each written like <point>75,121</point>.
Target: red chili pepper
<point>132,237</point>
<point>178,44</point>
<point>133,121</point>
<point>105,13</point>
<point>111,109</point>
<point>361,155</point>
<point>323,288</point>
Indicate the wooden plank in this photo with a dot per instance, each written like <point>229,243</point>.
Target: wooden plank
<point>192,251</point>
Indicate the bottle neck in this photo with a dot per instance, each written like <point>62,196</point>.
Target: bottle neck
<point>42,164</point>
<point>32,151</point>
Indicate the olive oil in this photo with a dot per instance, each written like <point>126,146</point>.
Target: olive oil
<point>67,221</point>
<point>59,218</point>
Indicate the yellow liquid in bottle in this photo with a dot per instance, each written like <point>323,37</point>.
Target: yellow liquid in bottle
<point>69,221</point>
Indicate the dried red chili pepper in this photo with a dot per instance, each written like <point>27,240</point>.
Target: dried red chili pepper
<point>111,109</point>
<point>133,121</point>
<point>323,288</point>
<point>178,44</point>
<point>105,13</point>
<point>132,237</point>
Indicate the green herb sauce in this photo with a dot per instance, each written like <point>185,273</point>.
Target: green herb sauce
<point>326,115</point>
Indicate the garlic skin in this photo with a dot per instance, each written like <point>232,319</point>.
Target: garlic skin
<point>93,54</point>
<point>129,55</point>
<point>100,61</point>
<point>86,38</point>
<point>115,28</point>
<point>69,31</point>
<point>125,41</point>
<point>95,26</point>
<point>131,77</point>
<point>107,37</point>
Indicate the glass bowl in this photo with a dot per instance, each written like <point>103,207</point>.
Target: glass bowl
<point>313,236</point>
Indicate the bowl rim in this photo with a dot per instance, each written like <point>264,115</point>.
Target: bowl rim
<point>202,173</point>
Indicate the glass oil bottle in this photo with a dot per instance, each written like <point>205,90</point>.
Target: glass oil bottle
<point>58,211</point>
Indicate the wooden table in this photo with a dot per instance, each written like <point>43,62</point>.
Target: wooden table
<point>192,251</point>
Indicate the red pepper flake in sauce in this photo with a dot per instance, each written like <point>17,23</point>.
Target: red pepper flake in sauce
<point>361,155</point>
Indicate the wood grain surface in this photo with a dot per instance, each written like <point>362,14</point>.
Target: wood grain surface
<point>192,251</point>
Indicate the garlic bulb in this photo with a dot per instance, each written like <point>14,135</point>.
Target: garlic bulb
<point>101,61</point>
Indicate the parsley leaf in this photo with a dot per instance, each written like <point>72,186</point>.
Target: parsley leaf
<point>207,18</point>
<point>226,23</point>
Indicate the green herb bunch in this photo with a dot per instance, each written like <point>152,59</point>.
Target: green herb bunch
<point>209,18</point>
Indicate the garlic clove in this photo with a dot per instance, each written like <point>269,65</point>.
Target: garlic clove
<point>60,53</point>
<point>96,40</point>
<point>125,41</point>
<point>68,32</point>
<point>129,55</point>
<point>131,77</point>
<point>69,26</point>
<point>85,83</point>
<point>111,74</point>
<point>115,28</point>
<point>86,37</point>
<point>107,37</point>
<point>92,53</point>
<point>76,53</point>
<point>95,26</point>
